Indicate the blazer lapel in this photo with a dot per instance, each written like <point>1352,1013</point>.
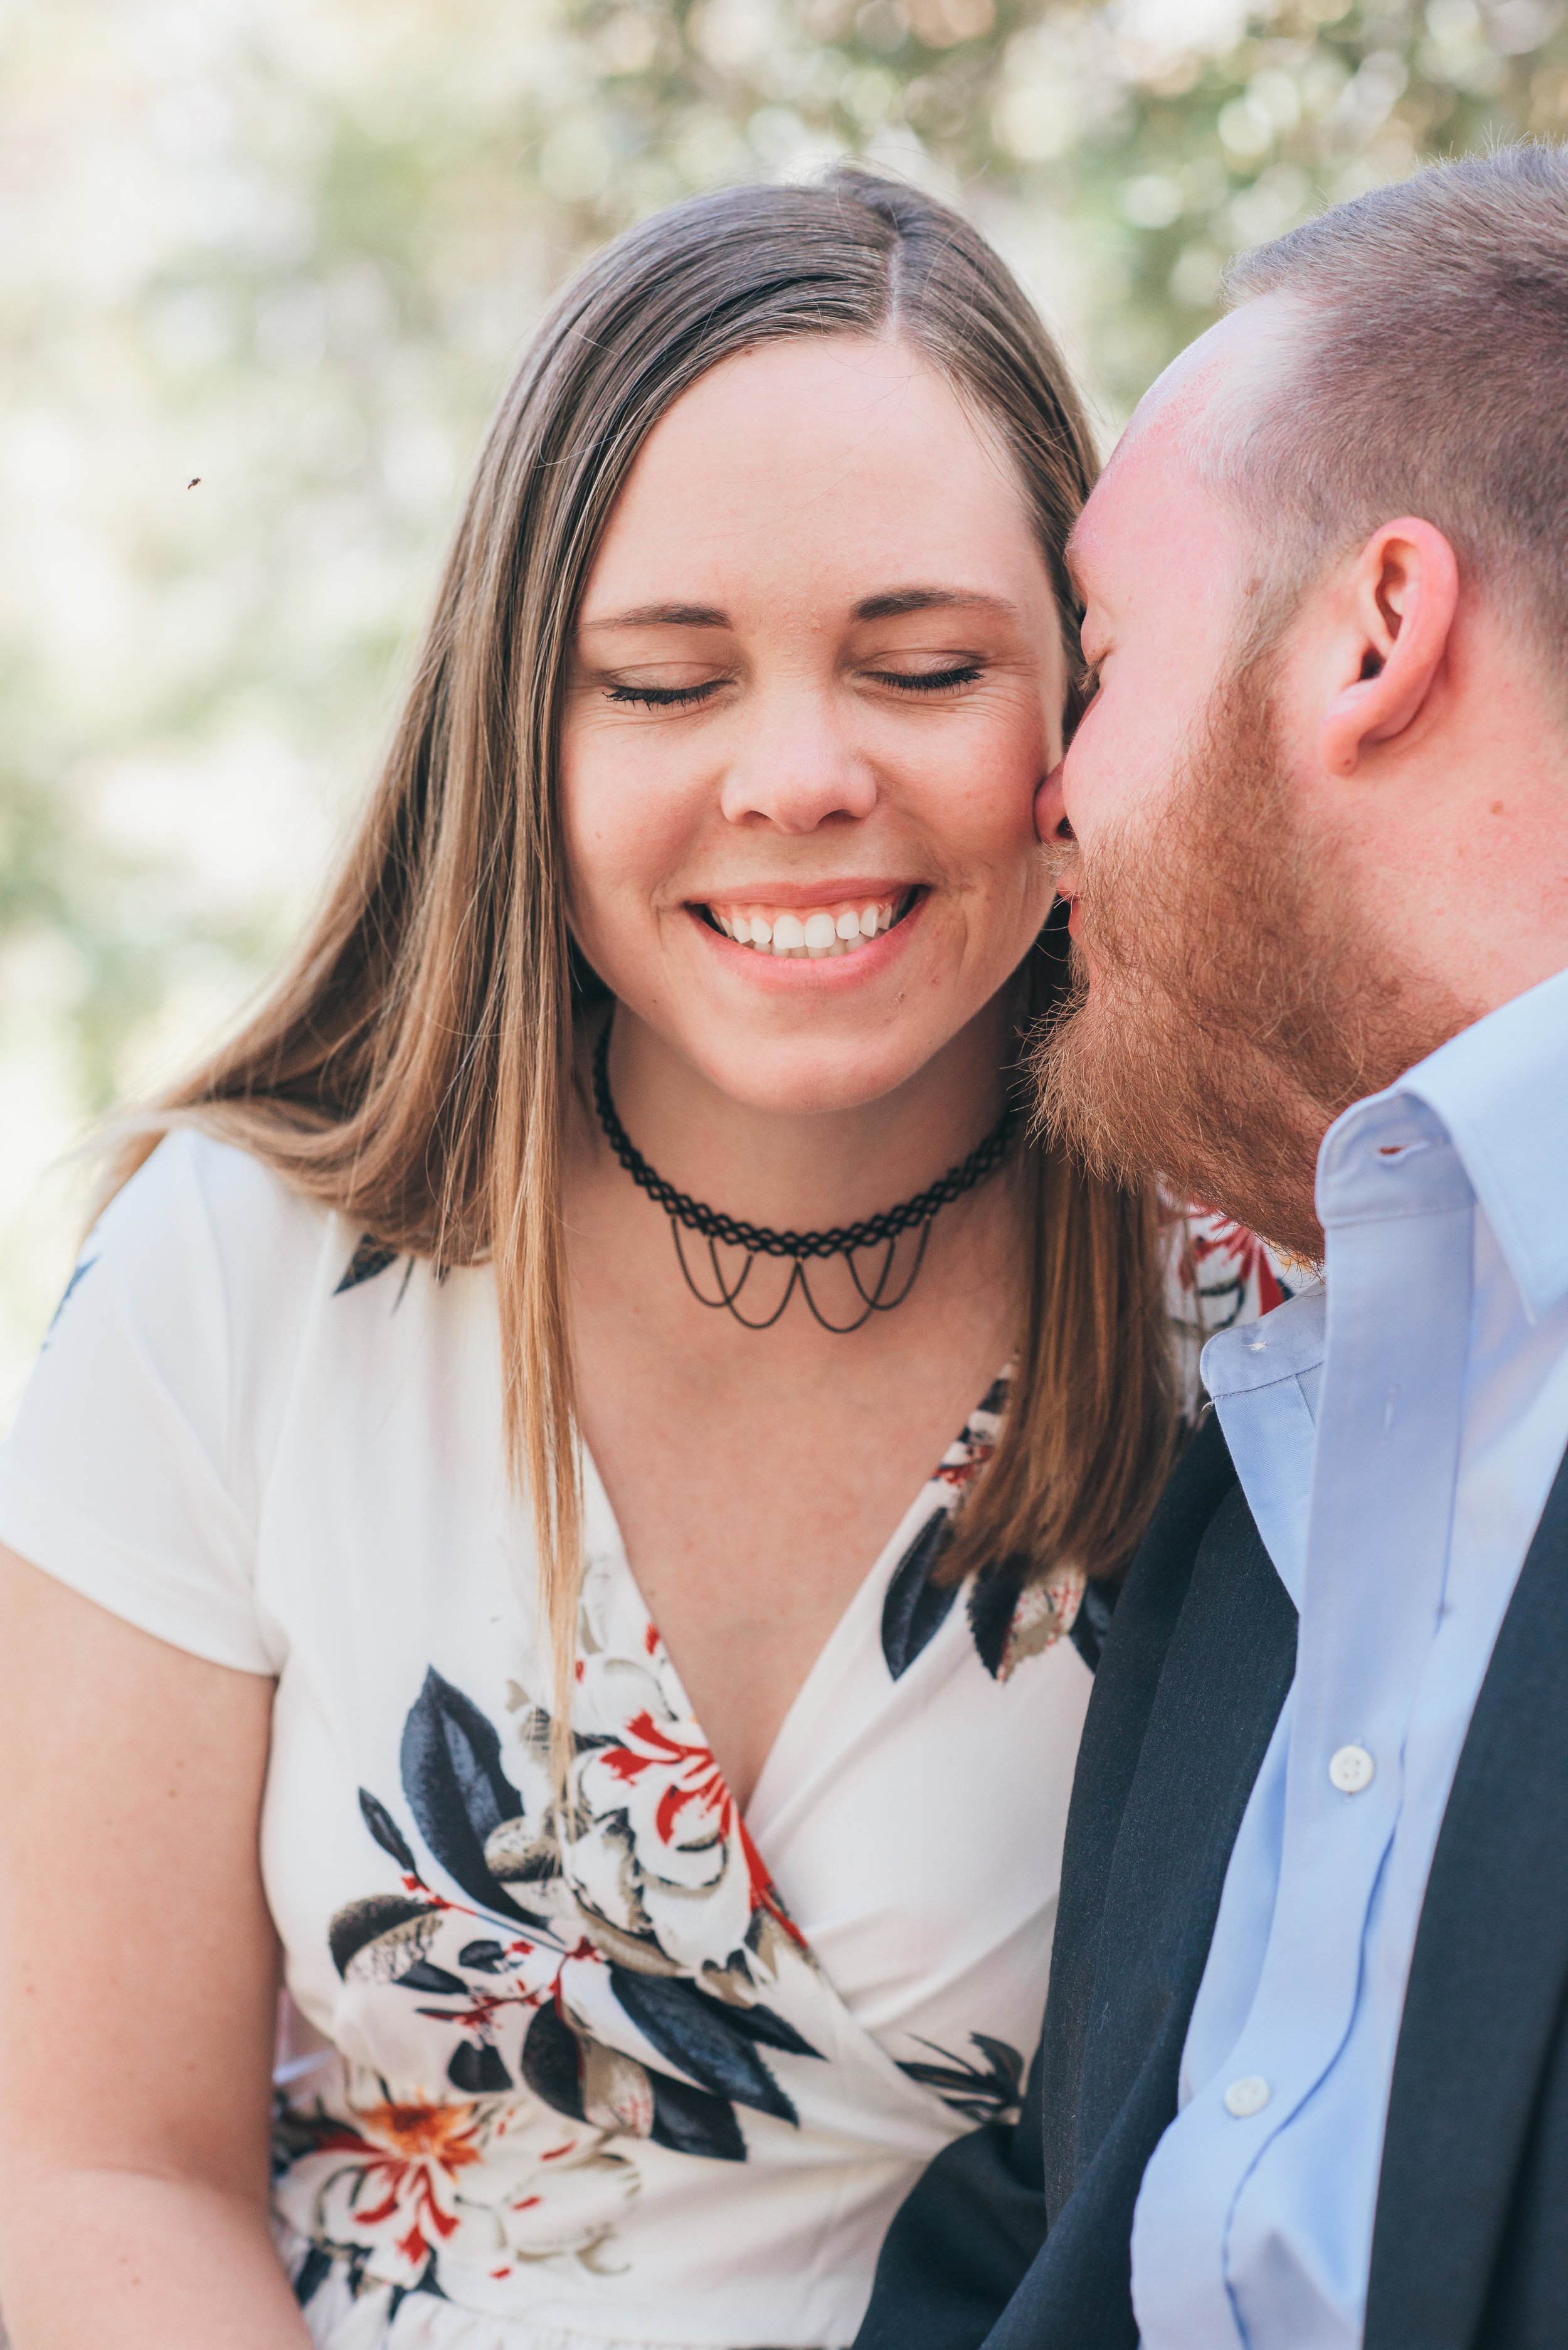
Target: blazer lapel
<point>1199,1657</point>
<point>1125,1683</point>
<point>1487,1979</point>
<point>1229,1667</point>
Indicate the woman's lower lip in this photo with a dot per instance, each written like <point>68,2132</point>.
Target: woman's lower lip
<point>790,973</point>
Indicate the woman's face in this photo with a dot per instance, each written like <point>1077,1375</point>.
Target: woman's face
<point>817,677</point>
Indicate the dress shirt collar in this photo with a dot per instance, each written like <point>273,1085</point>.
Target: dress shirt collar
<point>1494,1099</point>
<point>1485,1117</point>
<point>1501,1089</point>
<point>1263,1379</point>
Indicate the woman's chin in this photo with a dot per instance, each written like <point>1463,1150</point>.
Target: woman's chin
<point>834,1067</point>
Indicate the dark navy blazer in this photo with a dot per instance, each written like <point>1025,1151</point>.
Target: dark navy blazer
<point>1021,2238</point>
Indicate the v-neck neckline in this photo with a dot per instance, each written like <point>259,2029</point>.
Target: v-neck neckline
<point>604,1541</point>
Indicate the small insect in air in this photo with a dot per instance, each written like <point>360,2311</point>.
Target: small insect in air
<point>194,483</point>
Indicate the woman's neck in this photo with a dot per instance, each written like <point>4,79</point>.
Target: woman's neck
<point>805,1170</point>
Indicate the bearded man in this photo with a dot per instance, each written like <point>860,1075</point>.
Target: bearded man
<point>1304,2082</point>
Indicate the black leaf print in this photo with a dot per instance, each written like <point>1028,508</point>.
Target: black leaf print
<point>1006,2064</point>
<point>1093,1620</point>
<point>550,2064</point>
<point>701,2037</point>
<point>371,1257</point>
<point>423,1976</point>
<point>996,1396</point>
<point>457,1790</point>
<point>477,2069</point>
<point>916,1609</point>
<point>386,1831</point>
<point>313,2271</point>
<point>359,1923</point>
<point>982,2093</point>
<point>992,1604</point>
<point>773,2030</point>
<point>485,1957</point>
<point>690,2121</point>
<point>426,2281</point>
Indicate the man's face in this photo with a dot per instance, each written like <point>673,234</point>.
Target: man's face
<point>1163,569</point>
<point>1231,999</point>
<point>1200,1038</point>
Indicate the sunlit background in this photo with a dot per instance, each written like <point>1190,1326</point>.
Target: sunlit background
<point>264,266</point>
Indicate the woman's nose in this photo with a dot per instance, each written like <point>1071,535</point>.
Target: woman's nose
<point>798,777</point>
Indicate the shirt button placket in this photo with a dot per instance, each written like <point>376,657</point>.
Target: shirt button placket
<point>1350,1769</point>
<point>1248,2096</point>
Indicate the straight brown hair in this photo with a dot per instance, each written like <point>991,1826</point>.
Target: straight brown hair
<point>413,1066</point>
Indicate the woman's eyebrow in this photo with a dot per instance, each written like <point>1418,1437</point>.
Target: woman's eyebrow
<point>897,600</point>
<point>888,606</point>
<point>663,615</point>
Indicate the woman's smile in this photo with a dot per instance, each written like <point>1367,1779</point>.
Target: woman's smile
<point>839,922</point>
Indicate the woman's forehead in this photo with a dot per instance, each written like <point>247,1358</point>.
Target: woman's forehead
<point>853,457</point>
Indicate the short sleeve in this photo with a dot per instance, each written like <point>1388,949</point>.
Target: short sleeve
<point>127,1473</point>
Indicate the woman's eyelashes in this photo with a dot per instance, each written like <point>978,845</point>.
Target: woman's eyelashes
<point>637,693</point>
<point>929,681</point>
<point>664,697</point>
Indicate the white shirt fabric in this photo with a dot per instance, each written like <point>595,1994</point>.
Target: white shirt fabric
<point>1397,1434</point>
<point>673,2095</point>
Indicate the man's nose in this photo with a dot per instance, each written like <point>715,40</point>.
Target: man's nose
<point>1050,808</point>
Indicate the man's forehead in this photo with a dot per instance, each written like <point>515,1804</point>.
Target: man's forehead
<point>1230,375</point>
<point>1157,482</point>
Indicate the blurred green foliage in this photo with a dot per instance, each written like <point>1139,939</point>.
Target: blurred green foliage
<point>286,251</point>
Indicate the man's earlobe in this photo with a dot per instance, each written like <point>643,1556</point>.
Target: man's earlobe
<point>1401,596</point>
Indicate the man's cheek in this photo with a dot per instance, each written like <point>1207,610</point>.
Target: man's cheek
<point>1111,769</point>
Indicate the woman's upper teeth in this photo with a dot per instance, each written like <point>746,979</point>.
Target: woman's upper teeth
<point>807,931</point>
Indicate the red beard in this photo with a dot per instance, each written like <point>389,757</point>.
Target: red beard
<point>1239,999</point>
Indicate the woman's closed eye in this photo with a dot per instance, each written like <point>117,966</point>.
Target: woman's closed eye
<point>948,677</point>
<point>630,694</point>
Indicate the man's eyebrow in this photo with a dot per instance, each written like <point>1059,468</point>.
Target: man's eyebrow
<point>1075,576</point>
<point>898,600</point>
<point>663,615</point>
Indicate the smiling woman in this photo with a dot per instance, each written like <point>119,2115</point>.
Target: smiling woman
<point>638,1686</point>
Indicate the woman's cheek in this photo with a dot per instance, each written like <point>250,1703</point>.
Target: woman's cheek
<point>983,801</point>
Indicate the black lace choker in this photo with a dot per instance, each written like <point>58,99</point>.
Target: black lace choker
<point>798,1249</point>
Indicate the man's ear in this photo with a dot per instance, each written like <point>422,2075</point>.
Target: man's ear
<point>1399,604</point>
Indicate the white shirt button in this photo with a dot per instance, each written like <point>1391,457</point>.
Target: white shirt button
<point>1248,2096</point>
<point>1351,1770</point>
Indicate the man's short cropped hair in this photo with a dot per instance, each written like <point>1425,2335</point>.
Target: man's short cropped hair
<point>1428,375</point>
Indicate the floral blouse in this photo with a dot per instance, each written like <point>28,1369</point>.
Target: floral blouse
<point>626,2068</point>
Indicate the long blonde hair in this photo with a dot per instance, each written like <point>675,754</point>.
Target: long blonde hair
<point>412,1065</point>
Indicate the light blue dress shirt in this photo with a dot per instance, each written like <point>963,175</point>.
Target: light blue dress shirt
<point>1396,1431</point>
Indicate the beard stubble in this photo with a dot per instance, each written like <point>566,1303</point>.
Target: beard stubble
<point>1240,999</point>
